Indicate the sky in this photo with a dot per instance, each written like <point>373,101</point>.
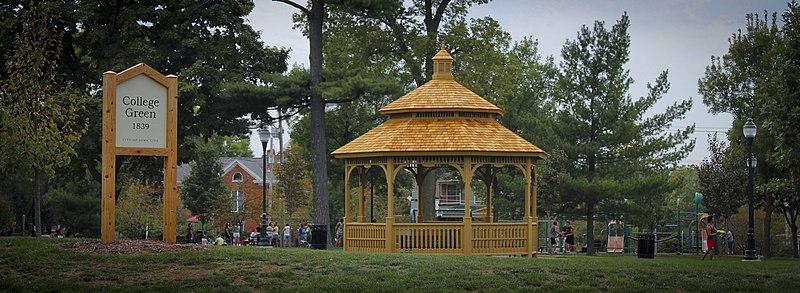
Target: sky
<point>679,36</point>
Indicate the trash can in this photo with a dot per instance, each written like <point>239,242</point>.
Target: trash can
<point>319,236</point>
<point>647,246</point>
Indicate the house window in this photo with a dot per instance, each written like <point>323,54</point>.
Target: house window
<point>237,200</point>
<point>237,177</point>
<point>450,193</point>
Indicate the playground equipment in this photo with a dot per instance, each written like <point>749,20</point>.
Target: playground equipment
<point>615,243</point>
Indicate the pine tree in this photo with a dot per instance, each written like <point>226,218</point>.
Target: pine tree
<point>614,151</point>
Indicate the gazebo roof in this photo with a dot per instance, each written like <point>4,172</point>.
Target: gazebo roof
<point>441,117</point>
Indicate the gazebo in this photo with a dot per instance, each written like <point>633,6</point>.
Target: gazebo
<point>441,124</point>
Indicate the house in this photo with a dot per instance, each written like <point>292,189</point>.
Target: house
<point>243,176</point>
<point>449,201</point>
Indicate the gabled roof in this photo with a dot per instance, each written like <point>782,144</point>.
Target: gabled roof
<point>253,167</point>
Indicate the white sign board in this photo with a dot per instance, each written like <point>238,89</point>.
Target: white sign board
<point>141,105</point>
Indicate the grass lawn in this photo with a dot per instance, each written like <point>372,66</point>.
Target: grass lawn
<point>28,264</point>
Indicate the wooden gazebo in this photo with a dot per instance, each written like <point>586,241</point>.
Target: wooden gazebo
<point>441,124</point>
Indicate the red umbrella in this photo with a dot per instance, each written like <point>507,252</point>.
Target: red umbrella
<point>193,219</point>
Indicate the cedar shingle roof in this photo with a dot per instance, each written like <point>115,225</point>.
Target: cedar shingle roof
<point>439,135</point>
<point>441,94</point>
<point>451,133</point>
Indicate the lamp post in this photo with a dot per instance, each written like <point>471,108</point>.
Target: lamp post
<point>265,136</point>
<point>749,131</point>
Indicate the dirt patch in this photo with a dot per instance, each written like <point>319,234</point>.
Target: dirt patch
<point>127,247</point>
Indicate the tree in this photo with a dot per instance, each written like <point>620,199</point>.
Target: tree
<point>721,182</point>
<point>139,211</point>
<point>293,183</point>
<point>613,150</point>
<point>743,82</point>
<point>784,121</point>
<point>204,192</point>
<point>39,122</point>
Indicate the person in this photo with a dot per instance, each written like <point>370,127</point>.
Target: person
<point>275,234</point>
<point>340,232</point>
<point>203,240</point>
<point>219,241</point>
<point>287,234</point>
<point>553,235</point>
<point>228,235</point>
<point>729,238</point>
<point>569,242</point>
<point>189,233</point>
<point>301,235</point>
<point>711,233</point>
<point>254,236</point>
<point>268,234</point>
<point>308,232</point>
<point>236,234</point>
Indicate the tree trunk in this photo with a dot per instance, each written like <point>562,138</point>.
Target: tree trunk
<point>37,202</point>
<point>590,228</point>
<point>794,240</point>
<point>768,224</point>
<point>319,161</point>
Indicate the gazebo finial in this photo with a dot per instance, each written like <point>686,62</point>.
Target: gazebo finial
<point>442,64</point>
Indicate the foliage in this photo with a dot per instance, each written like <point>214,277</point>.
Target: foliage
<point>50,267</point>
<point>204,192</point>
<point>613,150</point>
<point>721,182</point>
<point>39,127</point>
<point>75,204</point>
<point>140,211</point>
<point>757,78</point>
<point>294,184</point>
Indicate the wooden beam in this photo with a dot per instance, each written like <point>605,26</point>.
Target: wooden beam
<point>108,193</point>
<point>171,161</point>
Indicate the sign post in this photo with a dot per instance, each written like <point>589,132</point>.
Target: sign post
<point>139,119</point>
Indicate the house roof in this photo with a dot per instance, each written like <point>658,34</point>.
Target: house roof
<point>253,167</point>
<point>442,117</point>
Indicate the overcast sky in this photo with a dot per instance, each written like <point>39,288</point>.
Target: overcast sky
<point>679,36</point>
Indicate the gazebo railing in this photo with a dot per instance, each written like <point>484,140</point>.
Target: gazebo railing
<point>366,237</point>
<point>439,238</point>
<point>434,238</point>
<point>499,238</point>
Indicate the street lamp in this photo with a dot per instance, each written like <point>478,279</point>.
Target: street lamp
<point>749,131</point>
<point>265,136</point>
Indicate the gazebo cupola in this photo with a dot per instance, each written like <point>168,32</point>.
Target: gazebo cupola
<point>441,124</point>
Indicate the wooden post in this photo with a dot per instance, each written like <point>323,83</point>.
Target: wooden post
<point>107,229</point>
<point>419,176</point>
<point>390,241</point>
<point>467,233</point>
<point>528,219</point>
<point>362,174</point>
<point>347,170</point>
<point>171,162</point>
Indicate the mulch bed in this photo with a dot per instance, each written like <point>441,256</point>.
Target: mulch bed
<point>128,247</point>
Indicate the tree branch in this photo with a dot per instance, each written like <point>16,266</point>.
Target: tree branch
<point>295,5</point>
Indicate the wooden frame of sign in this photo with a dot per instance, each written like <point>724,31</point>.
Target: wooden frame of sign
<point>139,119</point>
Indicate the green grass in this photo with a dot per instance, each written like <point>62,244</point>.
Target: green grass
<point>28,264</point>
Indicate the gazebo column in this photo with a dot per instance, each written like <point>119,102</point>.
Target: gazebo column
<point>528,218</point>
<point>419,176</point>
<point>362,174</point>
<point>466,173</point>
<point>347,169</point>
<point>389,170</point>
<point>534,197</point>
<point>489,176</point>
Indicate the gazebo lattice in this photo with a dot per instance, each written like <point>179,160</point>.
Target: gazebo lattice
<point>441,124</point>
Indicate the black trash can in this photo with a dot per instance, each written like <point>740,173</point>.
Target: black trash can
<point>319,236</point>
<point>647,246</point>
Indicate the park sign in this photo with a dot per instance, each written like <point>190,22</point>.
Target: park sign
<point>141,113</point>
<point>139,119</point>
